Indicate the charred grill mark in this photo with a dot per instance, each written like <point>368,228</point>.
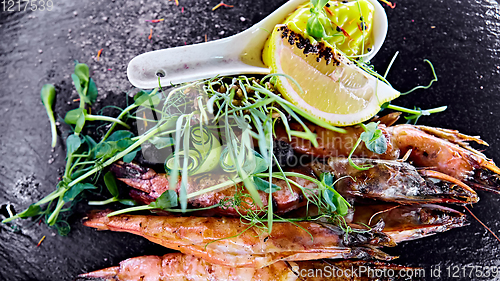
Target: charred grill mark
<point>321,50</point>
<point>124,170</point>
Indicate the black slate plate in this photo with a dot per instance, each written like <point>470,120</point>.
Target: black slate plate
<point>461,38</point>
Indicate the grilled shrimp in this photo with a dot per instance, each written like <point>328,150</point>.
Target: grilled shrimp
<point>408,222</point>
<point>388,180</point>
<point>394,181</point>
<point>154,184</point>
<point>228,241</point>
<point>177,266</point>
<point>442,150</point>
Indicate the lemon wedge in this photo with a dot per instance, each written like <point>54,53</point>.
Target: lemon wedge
<point>332,88</point>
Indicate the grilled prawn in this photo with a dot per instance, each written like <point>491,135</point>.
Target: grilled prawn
<point>228,241</point>
<point>408,222</point>
<point>177,266</point>
<point>152,185</point>
<point>391,181</point>
<point>394,181</point>
<point>442,150</point>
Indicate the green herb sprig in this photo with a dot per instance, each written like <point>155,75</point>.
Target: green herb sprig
<point>85,157</point>
<point>315,26</point>
<point>110,182</point>
<point>374,140</point>
<point>48,96</point>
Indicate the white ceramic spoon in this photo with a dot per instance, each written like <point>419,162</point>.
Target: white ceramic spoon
<point>238,54</point>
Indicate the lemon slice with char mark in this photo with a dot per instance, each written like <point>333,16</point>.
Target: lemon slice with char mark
<point>332,87</point>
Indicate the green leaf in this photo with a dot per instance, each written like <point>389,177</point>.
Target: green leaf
<point>91,96</point>
<point>48,95</point>
<point>73,142</point>
<point>72,116</point>
<point>260,165</point>
<point>162,142</point>
<point>110,182</point>
<point>128,202</point>
<point>379,145</point>
<point>32,211</point>
<point>167,200</point>
<point>315,27</point>
<point>374,139</point>
<point>75,190</point>
<point>341,204</point>
<point>322,4</point>
<point>103,149</point>
<point>334,200</point>
<point>263,185</point>
<point>314,3</point>
<point>129,157</point>
<point>80,123</point>
<point>119,135</point>
<point>78,84</point>
<point>143,98</point>
<point>327,179</point>
<point>369,133</point>
<point>329,197</point>
<point>123,144</point>
<point>82,72</point>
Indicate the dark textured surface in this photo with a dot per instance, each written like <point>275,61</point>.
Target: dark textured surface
<point>461,38</point>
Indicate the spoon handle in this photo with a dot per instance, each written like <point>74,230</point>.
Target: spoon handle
<point>189,63</point>
<point>238,54</point>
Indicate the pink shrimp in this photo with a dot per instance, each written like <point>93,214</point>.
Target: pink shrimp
<point>228,241</point>
<point>177,266</point>
<point>442,150</point>
<point>409,222</point>
<point>388,180</point>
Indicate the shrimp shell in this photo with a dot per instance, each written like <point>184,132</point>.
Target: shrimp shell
<point>409,222</point>
<point>394,181</point>
<point>442,150</point>
<point>180,267</point>
<point>228,241</point>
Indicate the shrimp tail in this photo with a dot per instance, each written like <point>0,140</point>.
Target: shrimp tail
<point>107,274</point>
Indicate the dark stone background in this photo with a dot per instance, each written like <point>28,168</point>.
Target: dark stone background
<point>461,38</point>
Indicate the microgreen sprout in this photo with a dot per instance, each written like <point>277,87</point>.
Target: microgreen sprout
<point>315,26</point>
<point>248,105</point>
<point>415,113</point>
<point>86,157</point>
<point>434,79</point>
<point>374,140</point>
<point>48,95</point>
<point>110,182</point>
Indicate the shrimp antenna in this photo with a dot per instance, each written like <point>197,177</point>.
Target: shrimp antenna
<point>482,223</point>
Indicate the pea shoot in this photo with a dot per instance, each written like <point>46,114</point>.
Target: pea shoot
<point>85,157</point>
<point>315,26</point>
<point>48,96</point>
<point>374,140</point>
